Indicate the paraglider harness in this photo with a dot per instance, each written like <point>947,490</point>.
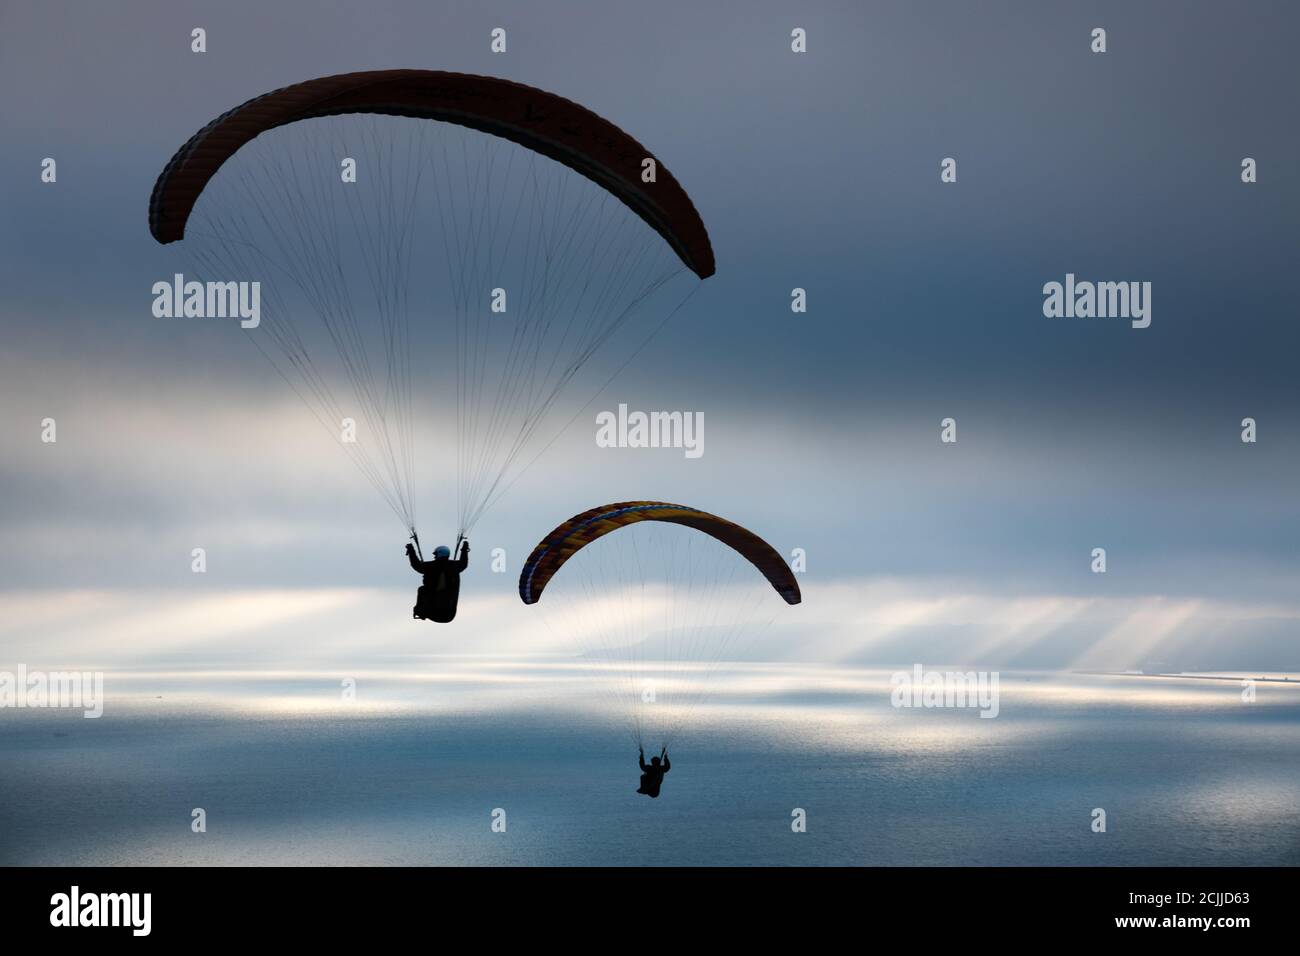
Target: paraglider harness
<point>431,600</point>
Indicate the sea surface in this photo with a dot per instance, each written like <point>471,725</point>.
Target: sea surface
<point>417,766</point>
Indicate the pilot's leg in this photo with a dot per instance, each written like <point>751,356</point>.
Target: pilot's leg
<point>419,611</point>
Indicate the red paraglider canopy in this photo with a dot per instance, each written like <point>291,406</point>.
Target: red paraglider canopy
<point>537,120</point>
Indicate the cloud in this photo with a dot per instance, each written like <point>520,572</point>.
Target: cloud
<point>822,427</point>
<point>869,622</point>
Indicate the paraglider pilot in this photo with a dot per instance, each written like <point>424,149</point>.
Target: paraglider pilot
<point>652,776</point>
<point>436,599</point>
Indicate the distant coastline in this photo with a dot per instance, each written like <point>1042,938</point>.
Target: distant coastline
<point>1231,677</point>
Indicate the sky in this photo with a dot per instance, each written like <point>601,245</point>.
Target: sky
<point>817,170</point>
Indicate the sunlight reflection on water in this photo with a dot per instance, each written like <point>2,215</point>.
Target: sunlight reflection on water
<point>408,772</point>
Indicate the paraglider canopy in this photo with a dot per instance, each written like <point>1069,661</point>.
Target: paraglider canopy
<point>580,530</point>
<point>537,120</point>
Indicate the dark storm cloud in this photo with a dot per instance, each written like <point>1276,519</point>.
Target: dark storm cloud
<point>818,171</point>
